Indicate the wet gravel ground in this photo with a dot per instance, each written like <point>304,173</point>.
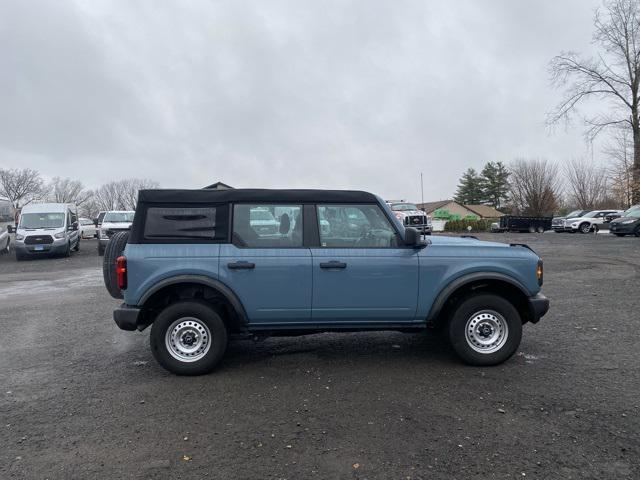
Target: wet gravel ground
<point>81,399</point>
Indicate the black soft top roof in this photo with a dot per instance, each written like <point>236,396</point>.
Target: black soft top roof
<point>255,195</point>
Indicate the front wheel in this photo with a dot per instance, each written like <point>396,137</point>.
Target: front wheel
<point>188,338</point>
<point>485,329</point>
<point>585,228</point>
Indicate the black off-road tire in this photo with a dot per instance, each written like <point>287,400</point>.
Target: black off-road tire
<point>180,317</point>
<point>114,249</point>
<point>475,308</point>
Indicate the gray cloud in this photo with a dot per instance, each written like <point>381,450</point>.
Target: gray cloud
<point>284,93</point>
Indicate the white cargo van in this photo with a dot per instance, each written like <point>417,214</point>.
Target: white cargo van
<point>7,221</point>
<point>47,229</point>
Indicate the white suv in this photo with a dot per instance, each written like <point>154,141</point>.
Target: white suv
<point>594,220</point>
<point>112,222</point>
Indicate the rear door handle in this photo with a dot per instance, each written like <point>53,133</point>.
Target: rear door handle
<point>333,264</point>
<point>241,266</point>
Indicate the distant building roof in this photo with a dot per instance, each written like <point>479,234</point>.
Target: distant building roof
<point>219,186</point>
<point>485,211</point>
<point>430,207</point>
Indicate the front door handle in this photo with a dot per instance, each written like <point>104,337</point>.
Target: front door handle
<point>333,264</point>
<point>241,266</point>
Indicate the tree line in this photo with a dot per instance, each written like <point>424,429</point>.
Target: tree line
<point>24,186</point>
<point>539,187</point>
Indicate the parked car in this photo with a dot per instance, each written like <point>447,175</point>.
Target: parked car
<point>411,216</point>
<point>98,221</point>
<point>7,219</point>
<point>195,270</point>
<point>594,220</point>
<point>87,228</point>
<point>517,223</point>
<point>112,222</point>
<point>627,224</point>
<point>47,229</point>
<point>557,224</point>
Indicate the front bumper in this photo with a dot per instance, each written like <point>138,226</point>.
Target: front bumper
<point>128,318</point>
<point>626,229</point>
<point>55,248</point>
<point>538,307</point>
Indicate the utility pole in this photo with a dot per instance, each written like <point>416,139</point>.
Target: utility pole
<point>421,191</point>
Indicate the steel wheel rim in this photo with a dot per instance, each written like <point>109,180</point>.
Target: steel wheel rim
<point>188,339</point>
<point>486,331</point>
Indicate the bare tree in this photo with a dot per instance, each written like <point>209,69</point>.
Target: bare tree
<point>535,187</point>
<point>613,77</point>
<point>620,170</point>
<point>65,190</point>
<point>21,187</point>
<point>122,194</point>
<point>586,184</point>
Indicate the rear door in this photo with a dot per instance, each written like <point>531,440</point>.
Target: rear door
<point>362,273</point>
<point>267,265</point>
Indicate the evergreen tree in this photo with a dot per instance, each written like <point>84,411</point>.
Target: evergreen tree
<point>494,181</point>
<point>469,190</point>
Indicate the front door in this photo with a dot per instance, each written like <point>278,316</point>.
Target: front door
<point>361,271</point>
<point>267,265</point>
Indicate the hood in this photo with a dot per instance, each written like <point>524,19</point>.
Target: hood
<point>624,219</point>
<point>115,225</point>
<point>442,240</point>
<point>409,213</point>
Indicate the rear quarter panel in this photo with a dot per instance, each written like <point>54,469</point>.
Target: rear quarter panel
<point>147,264</point>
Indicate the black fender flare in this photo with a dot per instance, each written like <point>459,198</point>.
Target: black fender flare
<point>452,286</point>
<point>224,290</point>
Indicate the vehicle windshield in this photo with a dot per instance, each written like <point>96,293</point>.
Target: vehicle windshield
<point>261,215</point>
<point>401,207</point>
<point>41,220</point>
<point>632,212</point>
<point>118,217</point>
<point>575,213</point>
<point>591,214</point>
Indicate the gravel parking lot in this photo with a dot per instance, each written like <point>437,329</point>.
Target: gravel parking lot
<point>82,399</point>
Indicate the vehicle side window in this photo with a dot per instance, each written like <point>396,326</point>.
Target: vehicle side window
<point>355,226</point>
<point>183,223</point>
<point>267,226</point>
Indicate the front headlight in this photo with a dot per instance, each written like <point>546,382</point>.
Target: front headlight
<point>59,235</point>
<point>19,237</point>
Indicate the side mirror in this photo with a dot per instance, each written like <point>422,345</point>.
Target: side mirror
<point>74,226</point>
<point>10,229</point>
<point>413,238</point>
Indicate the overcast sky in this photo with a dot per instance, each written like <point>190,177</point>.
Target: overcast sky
<point>290,94</point>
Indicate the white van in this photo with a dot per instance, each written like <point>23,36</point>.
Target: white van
<point>7,221</point>
<point>47,228</point>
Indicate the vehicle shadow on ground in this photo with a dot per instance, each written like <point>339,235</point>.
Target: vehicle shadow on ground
<point>347,348</point>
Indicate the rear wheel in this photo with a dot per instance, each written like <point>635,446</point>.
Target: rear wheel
<point>188,338</point>
<point>485,329</point>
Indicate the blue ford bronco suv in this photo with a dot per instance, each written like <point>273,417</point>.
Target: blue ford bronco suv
<point>200,266</point>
